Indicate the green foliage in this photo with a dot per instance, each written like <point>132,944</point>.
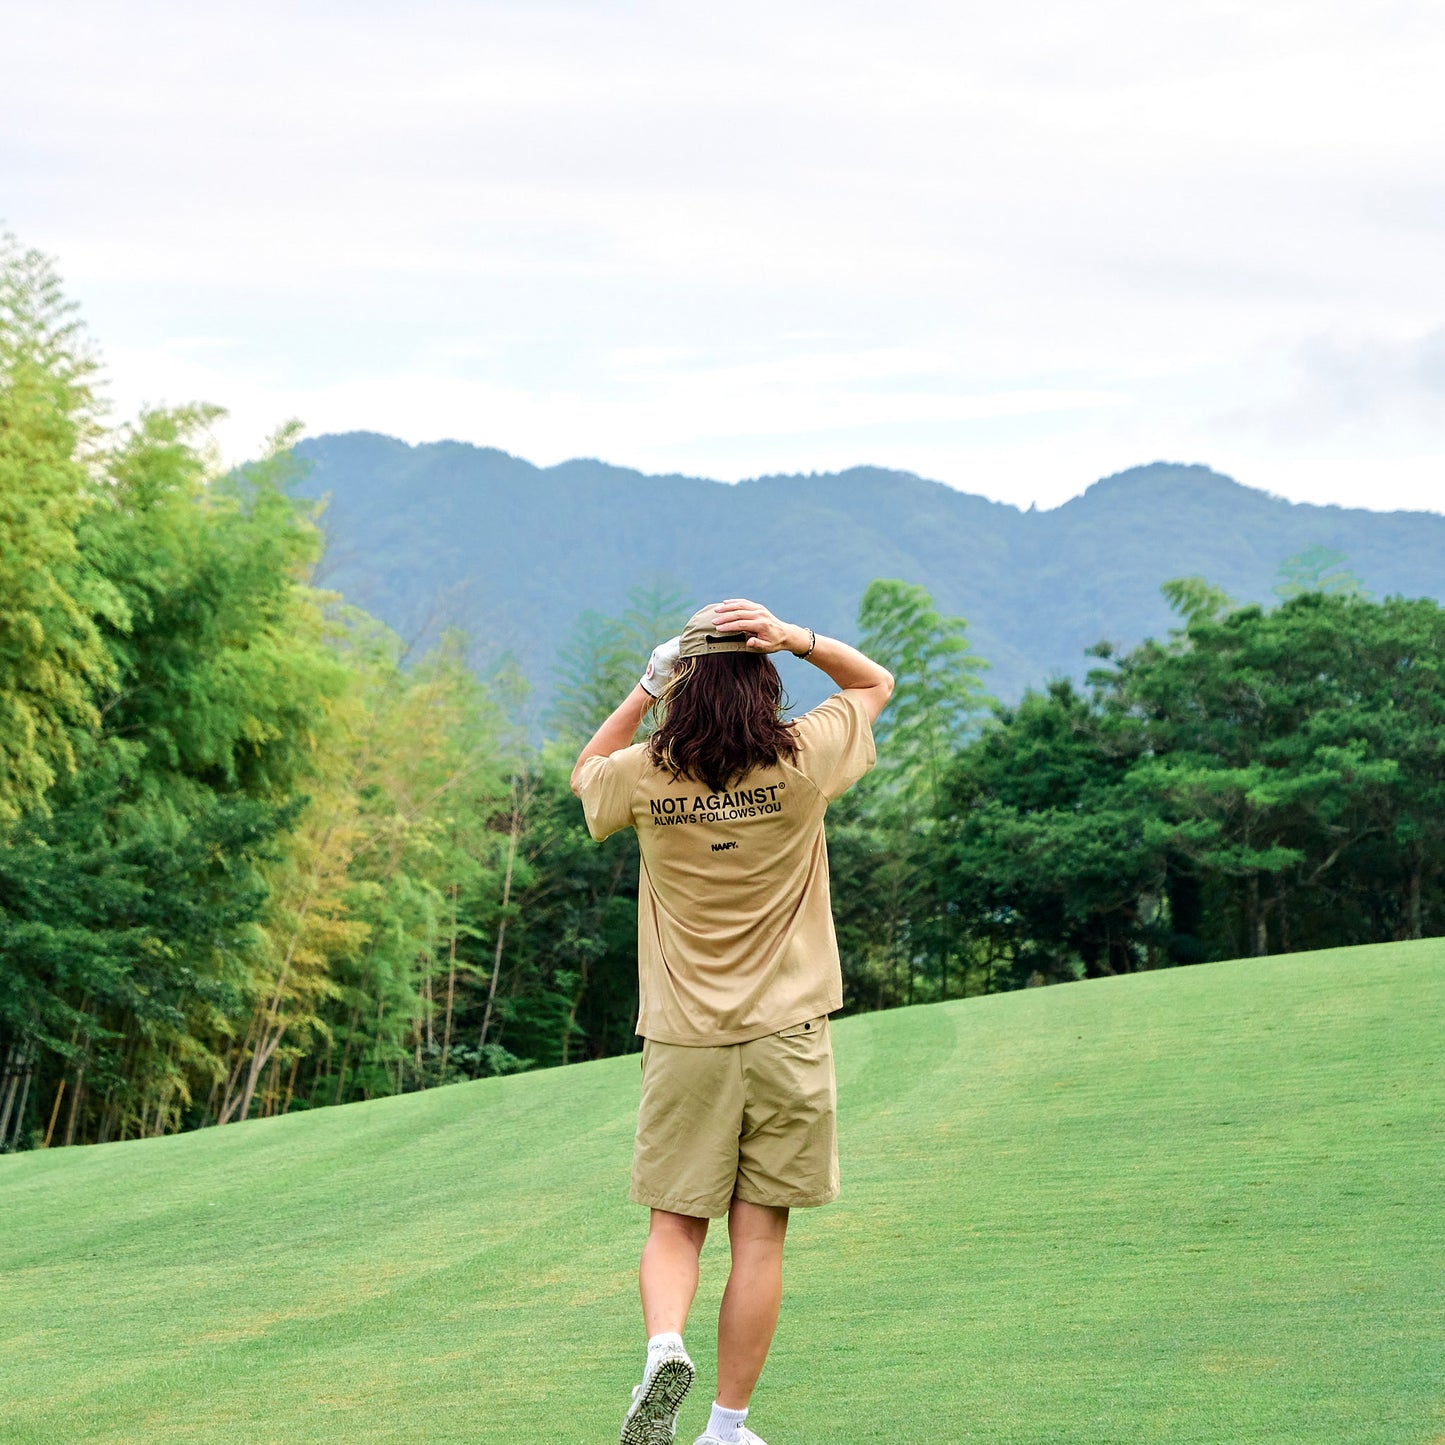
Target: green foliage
<point>1049,855</point>
<point>595,667</point>
<point>572,975</point>
<point>602,658</point>
<point>897,925</point>
<point>1264,781</point>
<point>51,655</point>
<point>1195,599</point>
<point>218,676</point>
<point>1317,569</point>
<point>1261,781</point>
<point>225,668</point>
<point>937,689</point>
<point>256,855</point>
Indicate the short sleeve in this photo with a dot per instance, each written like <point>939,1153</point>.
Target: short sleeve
<point>606,785</point>
<point>835,744</point>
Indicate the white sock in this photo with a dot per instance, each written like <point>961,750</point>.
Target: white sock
<point>658,1342</point>
<point>726,1425</point>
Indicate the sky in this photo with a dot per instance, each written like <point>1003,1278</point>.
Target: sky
<point>1011,247</point>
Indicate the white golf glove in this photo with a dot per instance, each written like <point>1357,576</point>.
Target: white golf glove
<point>660,665</point>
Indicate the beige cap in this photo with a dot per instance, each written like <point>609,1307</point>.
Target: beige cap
<point>699,639</point>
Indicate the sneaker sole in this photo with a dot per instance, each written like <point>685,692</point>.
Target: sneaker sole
<point>653,1419</point>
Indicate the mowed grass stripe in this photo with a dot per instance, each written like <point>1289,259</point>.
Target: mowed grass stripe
<point>1201,1205</point>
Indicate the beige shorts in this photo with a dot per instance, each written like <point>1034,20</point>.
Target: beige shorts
<point>755,1121</point>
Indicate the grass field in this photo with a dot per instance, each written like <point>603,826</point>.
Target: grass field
<point>1204,1205</point>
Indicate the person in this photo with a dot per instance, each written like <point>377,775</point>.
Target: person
<point>738,971</point>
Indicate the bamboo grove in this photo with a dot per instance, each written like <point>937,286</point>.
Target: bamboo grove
<point>257,856</point>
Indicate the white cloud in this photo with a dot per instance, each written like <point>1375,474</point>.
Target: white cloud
<point>1012,247</point>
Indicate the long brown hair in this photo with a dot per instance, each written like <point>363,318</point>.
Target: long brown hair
<point>722,716</point>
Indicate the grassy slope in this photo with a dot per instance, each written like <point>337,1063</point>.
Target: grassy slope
<point>1202,1205</point>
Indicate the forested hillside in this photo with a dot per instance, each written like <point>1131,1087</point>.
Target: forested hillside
<point>449,533</point>
<point>260,853</point>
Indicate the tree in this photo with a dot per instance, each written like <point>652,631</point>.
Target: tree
<point>1195,599</point>
<point>938,692</point>
<point>366,900</point>
<point>1260,781</point>
<point>1317,569</point>
<point>52,658</point>
<point>131,897</point>
<point>1259,785</point>
<point>882,833</point>
<point>603,657</point>
<point>1050,856</point>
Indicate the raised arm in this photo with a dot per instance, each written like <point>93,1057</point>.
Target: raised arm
<point>847,666</point>
<point>619,729</point>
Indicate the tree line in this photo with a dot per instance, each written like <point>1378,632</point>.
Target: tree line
<point>257,854</point>
<point>1264,780</point>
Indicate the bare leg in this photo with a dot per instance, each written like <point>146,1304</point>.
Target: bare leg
<point>669,1270</point>
<point>751,1301</point>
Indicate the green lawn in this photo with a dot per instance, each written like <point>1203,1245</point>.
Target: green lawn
<point>1202,1205</point>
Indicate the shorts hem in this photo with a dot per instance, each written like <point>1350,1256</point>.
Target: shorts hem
<point>706,1209</point>
<point>692,1208</point>
<point>793,1201</point>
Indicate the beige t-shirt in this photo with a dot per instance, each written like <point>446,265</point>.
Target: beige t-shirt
<point>734,921</point>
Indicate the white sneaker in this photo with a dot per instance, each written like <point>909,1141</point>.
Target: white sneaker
<point>745,1437</point>
<point>652,1417</point>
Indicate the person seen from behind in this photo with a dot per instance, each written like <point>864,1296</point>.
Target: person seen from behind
<point>737,970</point>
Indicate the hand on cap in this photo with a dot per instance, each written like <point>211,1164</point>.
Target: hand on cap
<point>765,632</point>
<point>659,666</point>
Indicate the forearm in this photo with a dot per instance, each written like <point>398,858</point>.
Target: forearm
<point>844,664</point>
<point>619,729</point>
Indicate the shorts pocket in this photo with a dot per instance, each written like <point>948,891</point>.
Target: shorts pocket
<point>811,1026</point>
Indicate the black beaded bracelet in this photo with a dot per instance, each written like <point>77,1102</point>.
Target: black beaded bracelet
<point>811,645</point>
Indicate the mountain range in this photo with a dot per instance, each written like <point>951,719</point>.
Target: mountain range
<point>449,534</point>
